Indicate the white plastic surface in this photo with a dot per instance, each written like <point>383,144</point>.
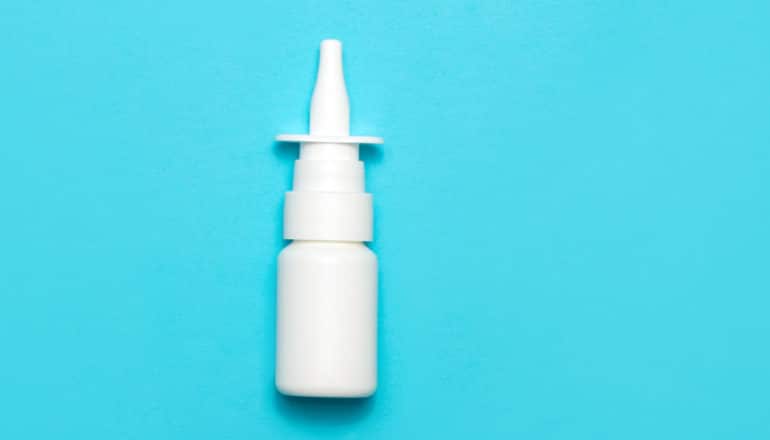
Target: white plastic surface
<point>337,216</point>
<point>328,164</point>
<point>329,139</point>
<point>327,320</point>
<point>327,278</point>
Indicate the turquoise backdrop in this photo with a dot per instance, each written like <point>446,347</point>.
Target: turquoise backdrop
<point>572,216</point>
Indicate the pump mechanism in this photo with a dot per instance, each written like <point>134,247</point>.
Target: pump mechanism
<point>328,201</point>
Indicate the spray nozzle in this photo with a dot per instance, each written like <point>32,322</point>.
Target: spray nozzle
<point>329,107</point>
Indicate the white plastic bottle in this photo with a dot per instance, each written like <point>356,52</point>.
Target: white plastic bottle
<point>327,277</point>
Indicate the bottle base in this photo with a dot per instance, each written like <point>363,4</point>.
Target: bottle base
<point>322,391</point>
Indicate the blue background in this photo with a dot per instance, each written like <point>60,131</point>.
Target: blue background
<point>572,216</point>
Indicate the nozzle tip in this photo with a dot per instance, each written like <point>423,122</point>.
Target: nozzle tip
<point>331,43</point>
<point>329,108</point>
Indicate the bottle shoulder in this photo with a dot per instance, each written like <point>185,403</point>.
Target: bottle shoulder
<point>327,249</point>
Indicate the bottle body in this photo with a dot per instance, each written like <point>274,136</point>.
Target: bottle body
<point>326,332</point>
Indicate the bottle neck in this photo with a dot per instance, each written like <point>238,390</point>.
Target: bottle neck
<point>327,151</point>
<point>326,167</point>
<point>328,201</point>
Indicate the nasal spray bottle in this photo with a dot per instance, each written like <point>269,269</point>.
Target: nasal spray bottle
<point>327,278</point>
